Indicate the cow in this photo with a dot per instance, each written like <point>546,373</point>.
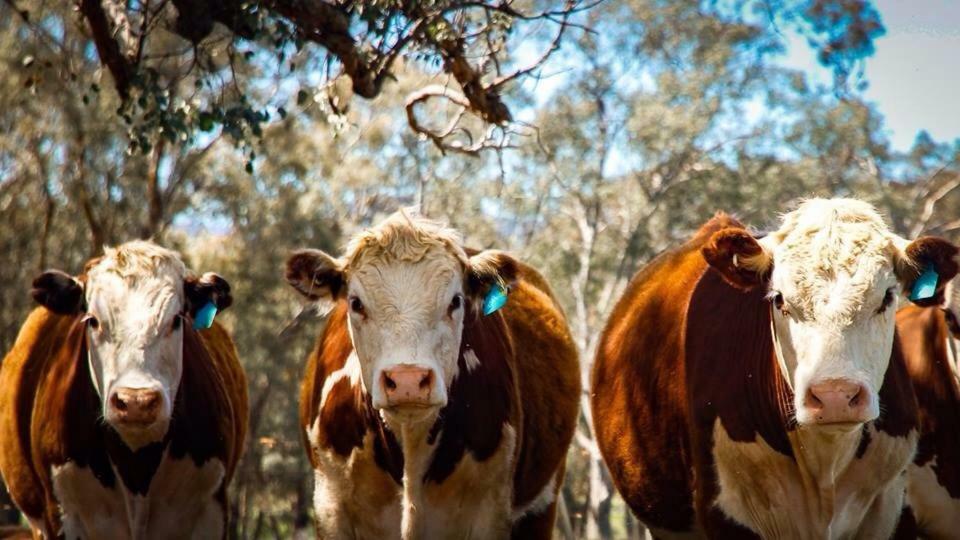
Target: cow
<point>929,336</point>
<point>424,417</point>
<point>751,387</point>
<point>117,418</point>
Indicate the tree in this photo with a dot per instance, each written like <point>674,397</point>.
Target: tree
<point>183,66</point>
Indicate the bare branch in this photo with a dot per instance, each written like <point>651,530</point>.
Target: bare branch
<point>932,198</point>
<point>441,138</point>
<point>107,47</point>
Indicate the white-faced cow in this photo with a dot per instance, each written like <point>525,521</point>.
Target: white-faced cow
<point>423,417</point>
<point>755,387</point>
<point>117,418</point>
<point>931,340</point>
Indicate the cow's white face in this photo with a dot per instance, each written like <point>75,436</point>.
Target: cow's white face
<point>407,283</point>
<point>406,321</point>
<point>133,301</point>
<point>834,272</point>
<point>135,343</point>
<point>834,324</point>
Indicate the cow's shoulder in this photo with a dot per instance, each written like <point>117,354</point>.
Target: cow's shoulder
<point>483,398</point>
<point>547,368</point>
<point>336,415</point>
<point>934,486</point>
<point>329,355</point>
<point>43,345</point>
<point>228,373</point>
<point>639,398</point>
<point>731,370</point>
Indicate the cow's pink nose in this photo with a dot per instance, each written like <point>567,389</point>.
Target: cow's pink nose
<point>136,405</point>
<point>407,385</point>
<point>837,400</point>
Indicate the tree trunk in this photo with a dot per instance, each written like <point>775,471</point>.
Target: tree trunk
<point>598,505</point>
<point>154,195</point>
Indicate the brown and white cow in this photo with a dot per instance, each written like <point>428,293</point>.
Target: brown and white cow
<point>755,387</point>
<point>117,418</point>
<point>423,417</point>
<point>930,344</point>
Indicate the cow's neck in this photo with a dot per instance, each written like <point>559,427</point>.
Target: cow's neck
<point>414,440</point>
<point>823,455</point>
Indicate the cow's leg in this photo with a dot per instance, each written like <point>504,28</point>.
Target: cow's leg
<point>881,520</point>
<point>332,518</point>
<point>540,515</point>
<point>536,526</point>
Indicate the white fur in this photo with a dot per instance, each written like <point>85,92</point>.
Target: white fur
<point>179,504</point>
<point>833,263</point>
<point>353,498</point>
<point>135,292</point>
<point>937,513</point>
<point>826,493</point>
<point>470,360</point>
<point>473,502</point>
<point>406,321</point>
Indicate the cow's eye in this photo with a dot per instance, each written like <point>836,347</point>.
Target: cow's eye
<point>778,303</point>
<point>92,321</point>
<point>356,305</point>
<point>455,303</point>
<point>177,323</point>
<point>888,299</point>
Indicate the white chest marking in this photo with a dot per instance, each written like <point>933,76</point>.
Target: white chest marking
<point>179,504</point>
<point>778,497</point>
<point>938,515</point>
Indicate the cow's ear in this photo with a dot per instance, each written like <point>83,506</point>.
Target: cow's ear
<point>314,274</point>
<point>738,257</point>
<point>920,257</point>
<point>59,292</point>
<point>208,288</point>
<point>488,268</point>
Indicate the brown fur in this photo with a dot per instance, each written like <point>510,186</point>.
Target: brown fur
<point>528,376</point>
<point>49,413</point>
<point>925,332</point>
<point>684,347</point>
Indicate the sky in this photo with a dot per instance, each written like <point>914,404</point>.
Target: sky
<point>914,76</point>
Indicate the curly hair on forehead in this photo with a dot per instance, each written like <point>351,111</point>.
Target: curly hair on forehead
<point>136,259</point>
<point>405,236</point>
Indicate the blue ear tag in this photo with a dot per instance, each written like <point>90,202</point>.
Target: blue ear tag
<point>926,284</point>
<point>205,315</point>
<point>494,300</point>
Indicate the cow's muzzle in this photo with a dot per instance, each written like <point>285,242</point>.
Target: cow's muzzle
<point>406,385</point>
<point>135,407</point>
<point>837,401</point>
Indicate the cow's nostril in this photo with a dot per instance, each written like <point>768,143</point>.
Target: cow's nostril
<point>118,403</point>
<point>813,401</point>
<point>389,383</point>
<point>857,398</point>
<point>427,380</point>
<point>149,401</point>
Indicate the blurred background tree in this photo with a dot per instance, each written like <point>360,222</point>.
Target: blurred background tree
<point>583,136</point>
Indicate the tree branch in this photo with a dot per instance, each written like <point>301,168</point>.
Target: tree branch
<point>107,47</point>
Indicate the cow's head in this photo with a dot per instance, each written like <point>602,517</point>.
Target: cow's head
<point>134,300</point>
<point>409,286</point>
<point>834,272</point>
